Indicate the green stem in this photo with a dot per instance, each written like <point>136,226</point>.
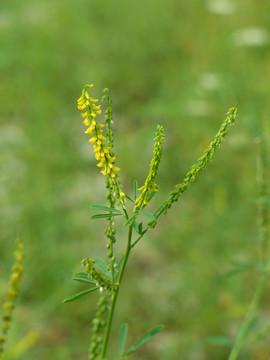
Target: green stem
<point>115,294</point>
<point>241,337</point>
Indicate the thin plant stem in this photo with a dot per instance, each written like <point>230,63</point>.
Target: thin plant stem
<point>115,294</point>
<point>240,340</point>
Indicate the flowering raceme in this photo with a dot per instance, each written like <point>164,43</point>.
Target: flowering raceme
<point>94,128</point>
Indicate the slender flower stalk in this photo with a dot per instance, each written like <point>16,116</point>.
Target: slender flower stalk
<point>12,293</point>
<point>202,162</point>
<point>262,207</point>
<point>193,173</point>
<point>149,184</point>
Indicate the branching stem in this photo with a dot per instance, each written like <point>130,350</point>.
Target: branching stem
<point>115,294</point>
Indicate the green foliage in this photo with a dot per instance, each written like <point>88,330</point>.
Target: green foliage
<point>147,337</point>
<point>80,294</point>
<point>174,75</point>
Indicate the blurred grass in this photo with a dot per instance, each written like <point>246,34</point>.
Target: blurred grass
<point>171,63</point>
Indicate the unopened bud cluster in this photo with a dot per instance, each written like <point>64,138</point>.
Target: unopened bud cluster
<point>149,184</point>
<point>98,326</point>
<point>104,283</point>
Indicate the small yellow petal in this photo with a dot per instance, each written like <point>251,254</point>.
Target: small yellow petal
<point>93,139</point>
<point>84,114</point>
<point>86,122</point>
<point>101,137</point>
<point>88,131</point>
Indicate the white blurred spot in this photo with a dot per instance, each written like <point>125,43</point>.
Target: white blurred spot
<point>253,36</point>
<point>209,81</point>
<point>198,108</point>
<point>11,135</point>
<point>220,7</point>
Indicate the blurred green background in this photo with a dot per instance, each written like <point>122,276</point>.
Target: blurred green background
<point>180,64</point>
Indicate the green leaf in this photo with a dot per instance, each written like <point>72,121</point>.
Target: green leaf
<point>158,210</point>
<point>122,337</point>
<point>148,216</point>
<point>131,219</point>
<point>140,227</point>
<point>84,280</point>
<point>136,227</point>
<point>120,264</point>
<point>102,266</point>
<point>81,275</point>
<point>239,269</point>
<point>129,198</point>
<point>101,216</point>
<point>252,325</point>
<point>220,340</point>
<point>148,336</point>
<point>105,208</point>
<point>135,189</point>
<point>80,294</point>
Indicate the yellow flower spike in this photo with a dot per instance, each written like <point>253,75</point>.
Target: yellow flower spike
<point>93,114</point>
<point>80,98</point>
<point>89,85</point>
<point>82,107</point>
<point>115,169</point>
<point>97,156</point>
<point>94,100</point>
<point>85,114</point>
<point>86,95</point>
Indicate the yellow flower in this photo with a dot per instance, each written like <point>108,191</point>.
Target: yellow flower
<point>93,139</point>
<point>82,107</point>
